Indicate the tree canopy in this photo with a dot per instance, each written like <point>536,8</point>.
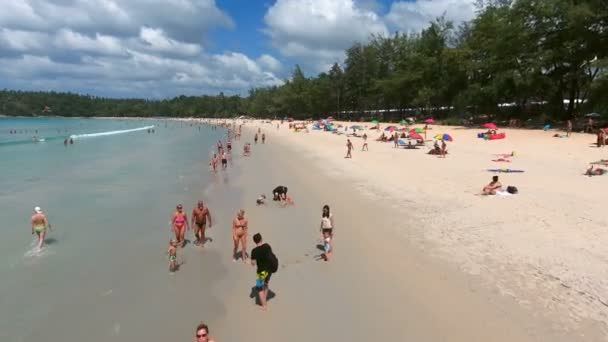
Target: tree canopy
<point>520,59</point>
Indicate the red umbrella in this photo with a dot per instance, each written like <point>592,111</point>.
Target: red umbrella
<point>429,121</point>
<point>490,125</point>
<point>416,136</point>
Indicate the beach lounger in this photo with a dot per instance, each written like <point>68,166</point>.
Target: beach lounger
<point>407,146</point>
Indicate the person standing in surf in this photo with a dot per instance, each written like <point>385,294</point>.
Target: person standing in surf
<point>39,225</point>
<point>224,161</point>
<point>200,214</point>
<point>239,235</point>
<point>179,225</point>
<point>213,162</point>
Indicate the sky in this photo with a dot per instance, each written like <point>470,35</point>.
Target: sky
<point>165,48</point>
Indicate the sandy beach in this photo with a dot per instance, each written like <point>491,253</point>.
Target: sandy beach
<point>419,256</point>
<point>540,250</point>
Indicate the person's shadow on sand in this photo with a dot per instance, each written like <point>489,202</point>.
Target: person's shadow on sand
<point>255,294</point>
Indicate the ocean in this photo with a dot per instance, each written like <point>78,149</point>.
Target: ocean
<point>109,199</point>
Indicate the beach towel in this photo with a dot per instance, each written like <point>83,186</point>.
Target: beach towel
<point>505,155</point>
<point>505,171</point>
<point>503,193</point>
<point>501,160</point>
<point>603,162</point>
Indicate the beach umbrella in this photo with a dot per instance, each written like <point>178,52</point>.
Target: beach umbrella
<point>403,122</point>
<point>490,125</point>
<point>416,130</point>
<point>444,136</point>
<point>391,128</point>
<point>415,136</point>
<point>429,121</point>
<point>375,121</point>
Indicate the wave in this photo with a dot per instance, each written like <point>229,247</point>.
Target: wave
<point>101,134</point>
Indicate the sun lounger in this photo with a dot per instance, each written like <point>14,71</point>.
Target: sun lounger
<point>407,146</point>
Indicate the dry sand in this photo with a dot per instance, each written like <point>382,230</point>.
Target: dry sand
<point>543,249</point>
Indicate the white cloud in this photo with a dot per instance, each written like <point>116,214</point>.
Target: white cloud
<point>413,16</point>
<point>316,32</point>
<point>122,48</point>
<point>269,62</point>
<point>70,40</point>
<point>156,40</point>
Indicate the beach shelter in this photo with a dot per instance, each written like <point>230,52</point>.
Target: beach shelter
<point>490,125</point>
<point>391,128</point>
<point>403,122</point>
<point>415,136</point>
<point>444,136</point>
<point>429,121</point>
<point>330,118</point>
<point>375,122</point>
<point>416,130</point>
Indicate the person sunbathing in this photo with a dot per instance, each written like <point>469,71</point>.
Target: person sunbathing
<point>491,188</point>
<point>592,171</point>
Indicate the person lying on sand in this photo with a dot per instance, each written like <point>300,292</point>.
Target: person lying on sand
<point>592,171</point>
<point>491,188</point>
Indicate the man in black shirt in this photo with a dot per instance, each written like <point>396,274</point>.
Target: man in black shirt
<point>280,193</point>
<point>261,256</point>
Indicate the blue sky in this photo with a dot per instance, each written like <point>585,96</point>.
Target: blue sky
<point>163,48</point>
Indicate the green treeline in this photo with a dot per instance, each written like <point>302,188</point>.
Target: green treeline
<point>518,59</point>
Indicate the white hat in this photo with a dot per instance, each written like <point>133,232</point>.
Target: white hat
<point>38,210</point>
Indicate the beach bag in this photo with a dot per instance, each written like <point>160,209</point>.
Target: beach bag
<point>512,190</point>
<point>274,262</point>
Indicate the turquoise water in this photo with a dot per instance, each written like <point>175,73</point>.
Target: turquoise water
<point>109,200</point>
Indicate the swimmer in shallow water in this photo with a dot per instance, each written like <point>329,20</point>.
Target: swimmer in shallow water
<point>39,225</point>
<point>172,252</point>
<point>261,200</point>
<point>179,225</point>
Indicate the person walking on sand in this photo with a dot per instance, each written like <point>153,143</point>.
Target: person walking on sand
<point>39,225</point>
<point>569,128</point>
<point>179,225</point>
<point>349,148</point>
<point>202,333</point>
<point>266,263</point>
<point>200,215</point>
<point>327,234</point>
<point>444,148</point>
<point>239,235</point>
<point>263,138</point>
<point>364,148</point>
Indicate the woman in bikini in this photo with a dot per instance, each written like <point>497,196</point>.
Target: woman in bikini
<point>239,235</point>
<point>179,225</point>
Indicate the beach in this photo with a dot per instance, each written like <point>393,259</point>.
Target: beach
<point>542,248</point>
<point>418,256</point>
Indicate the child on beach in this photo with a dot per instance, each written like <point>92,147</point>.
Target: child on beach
<point>172,252</point>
